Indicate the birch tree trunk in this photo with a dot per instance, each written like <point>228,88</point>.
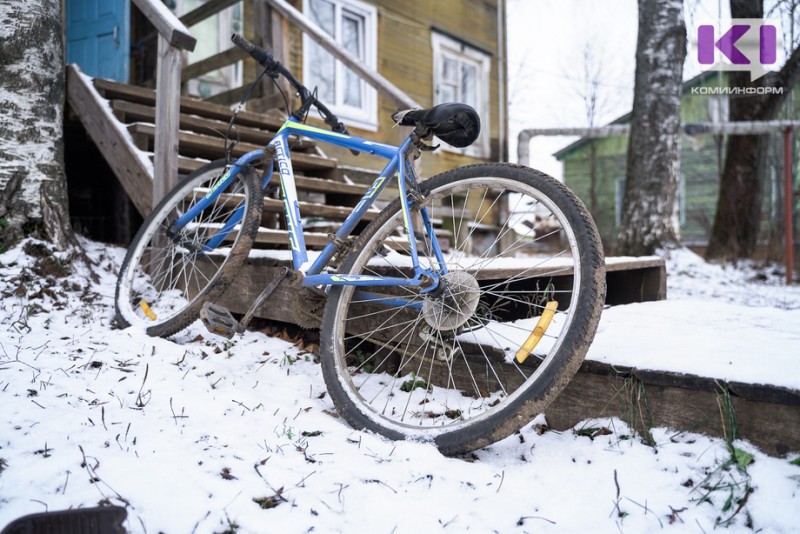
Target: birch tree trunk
<point>650,217</point>
<point>33,188</point>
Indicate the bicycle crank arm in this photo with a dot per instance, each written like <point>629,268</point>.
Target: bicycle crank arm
<point>218,320</point>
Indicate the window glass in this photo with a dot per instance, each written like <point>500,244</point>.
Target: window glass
<point>351,24</point>
<point>469,84</point>
<point>461,74</point>
<point>352,37</point>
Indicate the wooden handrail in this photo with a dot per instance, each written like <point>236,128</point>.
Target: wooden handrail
<point>217,61</point>
<point>167,24</point>
<point>369,75</point>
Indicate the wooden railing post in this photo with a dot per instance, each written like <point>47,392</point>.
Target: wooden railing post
<point>168,98</point>
<point>173,37</point>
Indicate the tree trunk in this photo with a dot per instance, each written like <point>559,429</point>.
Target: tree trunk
<point>737,219</point>
<point>650,207</point>
<point>33,188</point>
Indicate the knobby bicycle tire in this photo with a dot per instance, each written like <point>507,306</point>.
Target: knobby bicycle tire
<point>163,281</point>
<point>442,367</point>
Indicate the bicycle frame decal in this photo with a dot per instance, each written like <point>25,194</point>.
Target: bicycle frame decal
<point>220,183</point>
<point>291,206</point>
<point>308,128</point>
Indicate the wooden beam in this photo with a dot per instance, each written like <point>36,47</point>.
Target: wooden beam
<point>304,183</point>
<point>114,144</point>
<point>767,416</point>
<point>168,81</point>
<point>133,112</point>
<point>272,205</point>
<point>217,61</point>
<point>212,148</point>
<point>196,106</point>
<point>233,96</point>
<point>205,11</point>
<point>167,24</point>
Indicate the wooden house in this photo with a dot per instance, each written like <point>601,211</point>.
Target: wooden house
<point>451,50</point>
<point>434,52</point>
<point>595,168</point>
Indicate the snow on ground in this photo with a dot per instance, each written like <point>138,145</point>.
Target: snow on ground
<point>737,324</point>
<point>197,434</point>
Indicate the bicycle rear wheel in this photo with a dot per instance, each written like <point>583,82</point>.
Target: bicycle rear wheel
<point>164,280</point>
<point>525,281</point>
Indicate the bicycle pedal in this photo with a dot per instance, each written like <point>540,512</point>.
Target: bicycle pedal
<point>218,320</point>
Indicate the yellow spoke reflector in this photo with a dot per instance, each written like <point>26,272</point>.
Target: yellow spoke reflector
<point>538,331</point>
<point>147,311</point>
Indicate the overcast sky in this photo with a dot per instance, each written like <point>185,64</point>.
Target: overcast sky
<point>546,46</point>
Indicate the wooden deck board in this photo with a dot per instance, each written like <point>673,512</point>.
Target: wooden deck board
<point>304,183</point>
<point>768,416</point>
<point>143,95</point>
<point>135,112</point>
<point>213,147</point>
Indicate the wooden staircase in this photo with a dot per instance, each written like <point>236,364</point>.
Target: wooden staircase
<point>120,119</point>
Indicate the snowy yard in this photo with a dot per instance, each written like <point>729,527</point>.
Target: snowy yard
<point>202,435</point>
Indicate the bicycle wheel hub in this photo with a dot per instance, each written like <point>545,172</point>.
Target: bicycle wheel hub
<point>455,301</point>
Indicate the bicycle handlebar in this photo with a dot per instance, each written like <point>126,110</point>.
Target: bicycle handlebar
<point>274,68</point>
<point>261,55</point>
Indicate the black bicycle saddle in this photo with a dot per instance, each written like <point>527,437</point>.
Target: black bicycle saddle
<point>455,124</point>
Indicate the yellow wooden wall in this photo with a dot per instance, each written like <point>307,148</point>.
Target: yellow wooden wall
<point>405,57</point>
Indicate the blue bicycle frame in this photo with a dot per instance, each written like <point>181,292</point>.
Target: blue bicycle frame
<point>312,272</point>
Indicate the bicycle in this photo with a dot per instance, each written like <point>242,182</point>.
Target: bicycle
<point>427,332</point>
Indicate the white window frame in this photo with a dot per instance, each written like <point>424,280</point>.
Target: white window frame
<point>444,45</point>
<point>366,116</point>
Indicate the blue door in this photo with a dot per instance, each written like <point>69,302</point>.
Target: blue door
<point>98,37</point>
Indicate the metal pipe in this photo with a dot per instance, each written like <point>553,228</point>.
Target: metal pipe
<point>730,128</point>
<point>502,72</point>
<point>787,204</point>
<point>525,136</point>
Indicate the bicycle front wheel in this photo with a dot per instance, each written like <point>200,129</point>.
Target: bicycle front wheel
<point>165,279</point>
<point>521,284</point>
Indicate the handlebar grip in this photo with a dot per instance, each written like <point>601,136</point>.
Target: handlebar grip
<point>263,57</point>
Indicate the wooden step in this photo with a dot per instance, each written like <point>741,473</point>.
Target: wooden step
<point>130,112</point>
<point>115,90</point>
<point>304,183</point>
<point>314,240</point>
<point>272,205</point>
<point>313,209</point>
<point>204,146</point>
<point>269,236</point>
